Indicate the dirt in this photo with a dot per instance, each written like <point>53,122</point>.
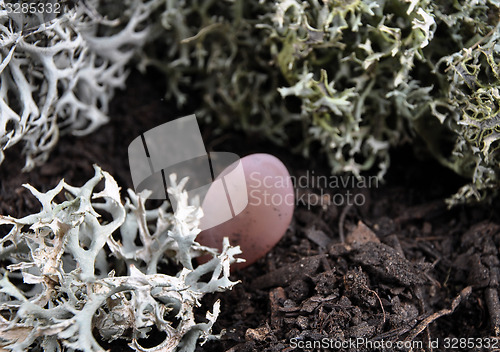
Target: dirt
<point>397,268</point>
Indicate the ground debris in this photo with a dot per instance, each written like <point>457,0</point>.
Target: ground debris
<point>283,276</point>
<point>312,301</point>
<point>360,235</point>
<point>318,237</point>
<point>480,264</point>
<point>464,294</point>
<point>276,298</point>
<point>422,211</point>
<point>386,262</point>
<point>258,334</point>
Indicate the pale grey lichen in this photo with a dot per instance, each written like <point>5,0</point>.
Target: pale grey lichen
<point>60,75</point>
<point>89,269</point>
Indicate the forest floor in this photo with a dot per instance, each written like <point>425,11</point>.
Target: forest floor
<point>410,273</point>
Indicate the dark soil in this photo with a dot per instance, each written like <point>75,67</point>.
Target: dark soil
<point>409,269</point>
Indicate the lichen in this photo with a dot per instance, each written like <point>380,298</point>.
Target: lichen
<point>357,77</point>
<point>60,75</point>
<point>348,78</point>
<point>91,269</point>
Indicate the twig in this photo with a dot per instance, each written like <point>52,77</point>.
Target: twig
<point>493,304</point>
<point>342,220</point>
<point>379,301</point>
<point>483,38</point>
<point>201,33</point>
<point>424,323</point>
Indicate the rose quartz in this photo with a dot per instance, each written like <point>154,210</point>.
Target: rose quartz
<point>267,215</point>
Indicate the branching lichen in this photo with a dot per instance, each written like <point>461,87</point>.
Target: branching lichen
<point>61,74</point>
<point>473,109</point>
<point>89,269</point>
<point>356,77</point>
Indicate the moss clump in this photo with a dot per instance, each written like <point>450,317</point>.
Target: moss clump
<point>366,74</point>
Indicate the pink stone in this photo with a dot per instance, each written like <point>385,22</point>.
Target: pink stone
<point>265,218</point>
